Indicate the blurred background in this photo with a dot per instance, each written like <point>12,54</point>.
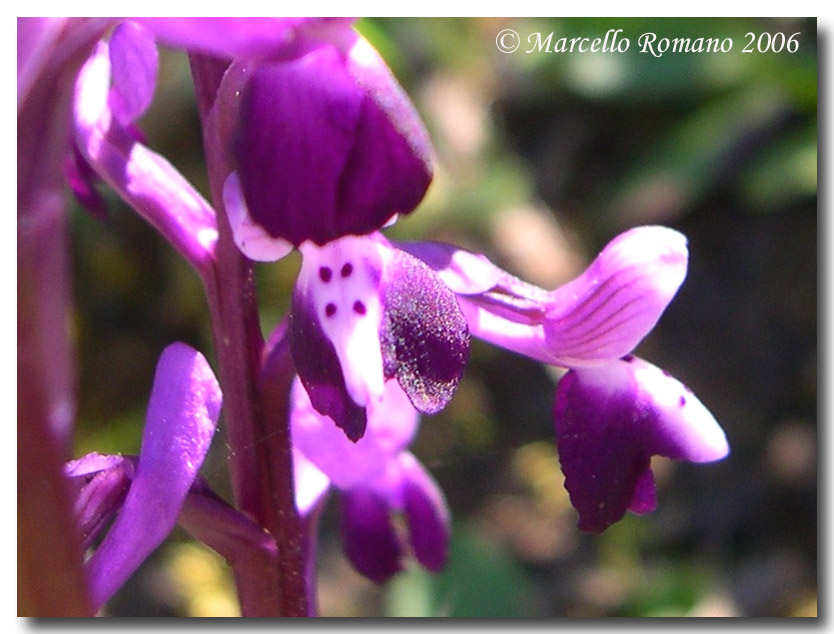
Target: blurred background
<point>542,159</point>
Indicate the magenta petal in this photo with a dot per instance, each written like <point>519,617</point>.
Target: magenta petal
<point>82,181</point>
<point>328,145</point>
<point>424,337</point>
<point>427,514</point>
<point>644,499</point>
<point>463,271</point>
<point>392,422</point>
<point>145,180</point>
<point>102,483</point>
<point>605,312</point>
<point>182,414</point>
<point>311,483</point>
<point>91,464</point>
<point>134,62</point>
<point>219,525</point>
<point>319,369</point>
<point>274,38</point>
<point>610,420</point>
<point>370,541</point>
<point>598,317</point>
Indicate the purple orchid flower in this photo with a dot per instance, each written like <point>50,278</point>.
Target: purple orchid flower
<point>310,144</point>
<point>182,416</point>
<point>377,478</point>
<point>327,150</point>
<point>613,411</point>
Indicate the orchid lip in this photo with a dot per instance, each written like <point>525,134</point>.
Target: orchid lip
<point>342,279</point>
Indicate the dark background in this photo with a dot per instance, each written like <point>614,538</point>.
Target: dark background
<point>542,159</point>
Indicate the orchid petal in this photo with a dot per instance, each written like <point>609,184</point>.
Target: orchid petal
<point>311,483</point>
<point>606,311</point>
<point>134,61</point>
<point>182,414</point>
<point>273,38</point>
<point>610,420</point>
<point>424,336</point>
<point>102,482</point>
<point>81,179</point>
<point>334,328</point>
<point>465,272</point>
<point>91,464</point>
<point>600,316</point>
<point>328,145</point>
<point>253,241</point>
<point>370,541</point>
<point>319,369</point>
<point>427,514</point>
<point>341,283</point>
<point>144,179</point>
<point>392,423</point>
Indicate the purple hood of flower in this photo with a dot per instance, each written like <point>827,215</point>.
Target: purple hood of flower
<point>325,145</point>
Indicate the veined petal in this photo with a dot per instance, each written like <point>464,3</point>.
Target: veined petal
<point>429,524</point>
<point>424,336</point>
<point>182,415</point>
<point>392,423</point>
<point>134,61</point>
<point>370,540</point>
<point>598,317</point>
<point>610,420</point>
<point>605,312</point>
<point>328,145</point>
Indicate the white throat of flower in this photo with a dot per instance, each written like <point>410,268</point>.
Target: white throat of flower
<point>342,281</point>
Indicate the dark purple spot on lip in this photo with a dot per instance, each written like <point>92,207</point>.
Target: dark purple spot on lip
<point>358,307</point>
<point>682,401</point>
<point>347,269</point>
<point>330,310</point>
<point>325,274</point>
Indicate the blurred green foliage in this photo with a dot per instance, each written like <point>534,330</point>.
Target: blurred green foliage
<point>541,159</point>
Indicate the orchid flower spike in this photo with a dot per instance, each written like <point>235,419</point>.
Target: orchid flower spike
<point>327,150</point>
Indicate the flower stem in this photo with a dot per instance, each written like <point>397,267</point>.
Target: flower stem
<point>258,435</point>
